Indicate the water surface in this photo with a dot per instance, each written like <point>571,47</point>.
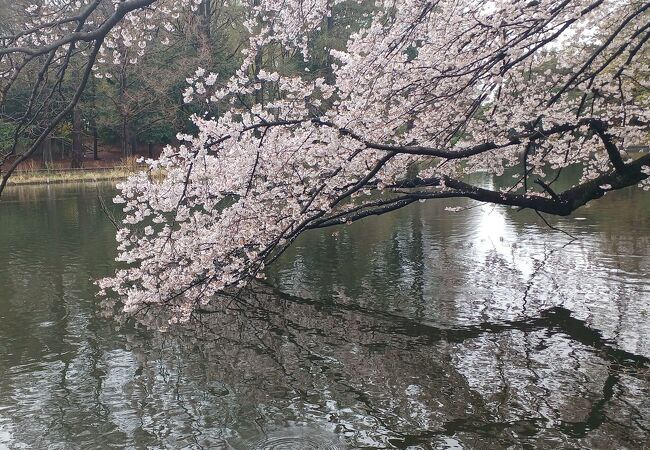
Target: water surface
<point>421,329</point>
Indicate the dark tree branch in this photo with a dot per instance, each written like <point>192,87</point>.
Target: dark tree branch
<point>466,152</point>
<point>57,119</point>
<point>559,204</point>
<point>600,128</point>
<point>547,189</point>
<point>97,34</point>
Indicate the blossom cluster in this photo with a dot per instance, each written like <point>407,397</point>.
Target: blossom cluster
<point>425,90</point>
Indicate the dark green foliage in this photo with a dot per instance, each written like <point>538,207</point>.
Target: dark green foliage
<point>141,103</point>
<point>6,135</point>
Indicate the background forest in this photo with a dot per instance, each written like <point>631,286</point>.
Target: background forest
<point>136,106</point>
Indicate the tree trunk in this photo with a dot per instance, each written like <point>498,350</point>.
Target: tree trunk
<point>93,120</point>
<point>134,145</point>
<point>126,138</point>
<point>77,156</point>
<point>329,72</point>
<point>259,93</point>
<point>205,31</point>
<point>123,141</point>
<point>95,149</point>
<point>47,151</point>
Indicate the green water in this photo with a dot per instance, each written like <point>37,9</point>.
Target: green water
<point>419,329</point>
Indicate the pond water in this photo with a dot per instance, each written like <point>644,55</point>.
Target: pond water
<point>421,329</point>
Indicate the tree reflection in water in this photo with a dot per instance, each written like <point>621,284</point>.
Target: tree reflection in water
<point>346,375</point>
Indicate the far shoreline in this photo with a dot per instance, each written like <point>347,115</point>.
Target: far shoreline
<point>90,175</point>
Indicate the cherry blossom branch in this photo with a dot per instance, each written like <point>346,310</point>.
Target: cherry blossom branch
<point>98,34</point>
<point>419,99</point>
<point>598,51</point>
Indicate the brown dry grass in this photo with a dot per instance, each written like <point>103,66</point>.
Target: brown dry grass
<point>40,176</point>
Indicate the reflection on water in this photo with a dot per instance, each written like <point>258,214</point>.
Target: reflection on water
<point>421,329</point>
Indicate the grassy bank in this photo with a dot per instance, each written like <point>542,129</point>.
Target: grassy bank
<point>26,177</point>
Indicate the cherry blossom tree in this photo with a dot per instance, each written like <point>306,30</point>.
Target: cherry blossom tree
<point>422,95</point>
